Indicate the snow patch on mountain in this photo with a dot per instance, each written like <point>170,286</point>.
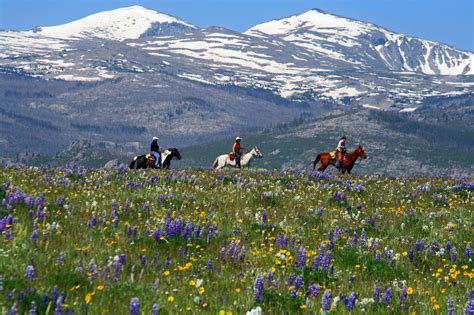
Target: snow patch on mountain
<point>120,24</point>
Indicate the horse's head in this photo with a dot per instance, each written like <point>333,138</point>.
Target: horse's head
<point>175,153</point>
<point>256,152</point>
<point>361,152</point>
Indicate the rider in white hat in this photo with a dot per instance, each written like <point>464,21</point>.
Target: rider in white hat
<point>155,150</point>
<point>236,149</point>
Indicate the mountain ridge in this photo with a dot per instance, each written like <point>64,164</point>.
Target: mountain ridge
<point>115,19</point>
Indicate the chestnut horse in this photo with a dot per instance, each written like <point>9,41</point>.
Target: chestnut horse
<point>347,164</point>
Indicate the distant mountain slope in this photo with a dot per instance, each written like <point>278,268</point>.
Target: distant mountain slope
<point>121,76</point>
<point>395,143</point>
<point>366,45</point>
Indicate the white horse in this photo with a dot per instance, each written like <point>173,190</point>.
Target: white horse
<point>223,160</point>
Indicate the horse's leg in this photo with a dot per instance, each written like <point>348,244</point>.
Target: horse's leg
<point>324,164</point>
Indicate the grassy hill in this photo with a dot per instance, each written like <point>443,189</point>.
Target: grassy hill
<point>96,241</point>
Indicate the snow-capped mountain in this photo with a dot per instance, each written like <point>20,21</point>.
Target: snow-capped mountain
<point>305,58</point>
<point>120,24</point>
<point>365,45</point>
<point>123,75</point>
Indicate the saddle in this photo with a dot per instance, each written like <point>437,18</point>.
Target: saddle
<point>231,156</point>
<point>332,154</point>
<point>150,157</point>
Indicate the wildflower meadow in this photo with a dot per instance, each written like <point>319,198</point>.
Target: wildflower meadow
<point>85,241</point>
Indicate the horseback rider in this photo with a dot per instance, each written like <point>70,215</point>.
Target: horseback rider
<point>155,151</point>
<point>236,150</point>
<point>341,151</point>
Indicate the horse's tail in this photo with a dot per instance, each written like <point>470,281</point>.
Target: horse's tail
<point>216,162</point>
<point>133,164</point>
<point>316,160</point>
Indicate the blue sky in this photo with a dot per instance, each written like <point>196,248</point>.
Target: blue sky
<point>446,21</point>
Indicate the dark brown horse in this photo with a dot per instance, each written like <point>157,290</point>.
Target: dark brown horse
<point>347,164</point>
<point>141,162</point>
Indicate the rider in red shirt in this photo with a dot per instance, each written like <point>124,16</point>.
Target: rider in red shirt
<point>236,149</point>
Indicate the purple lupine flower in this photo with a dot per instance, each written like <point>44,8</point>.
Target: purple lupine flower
<point>33,309</point>
<point>448,247</point>
<point>281,241</point>
<point>30,272</point>
<point>231,248</point>
<point>236,251</point>
<point>188,229</point>
<point>34,237</point>
<point>209,265</point>
<point>363,238</point>
<point>292,241</point>
<point>134,306</point>
<point>291,279</point>
<point>319,212</point>
<point>354,240</point>
<point>326,260</point>
<point>8,235</point>
<point>197,231</point>
<point>55,294</point>
<point>450,306</point>
<point>178,226</point>
<point>157,235</point>
<point>387,297</point>
<point>313,290</point>
<point>270,278</point>
<point>143,260</point>
<point>389,255</point>
<point>154,309</point>
<point>13,309</point>
<point>411,255</point>
<point>122,258</point>
<point>301,258</point>
<point>59,309</point>
<point>117,266</point>
<point>469,307</point>
<point>105,272</point>
<point>468,251</point>
<point>454,255</point>
<point>242,254</point>
<point>60,259</point>
<point>169,228</point>
<point>337,232</point>
<point>93,219</point>
<point>377,256</point>
<point>264,217</point>
<point>403,295</point>
<point>223,254</point>
<point>351,301</point>
<point>376,293</point>
<point>419,245</point>
<point>326,301</point>
<point>167,261</point>
<point>298,283</point>
<point>258,289</point>
<point>316,261</point>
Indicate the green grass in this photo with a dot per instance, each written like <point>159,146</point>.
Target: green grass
<point>232,204</point>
